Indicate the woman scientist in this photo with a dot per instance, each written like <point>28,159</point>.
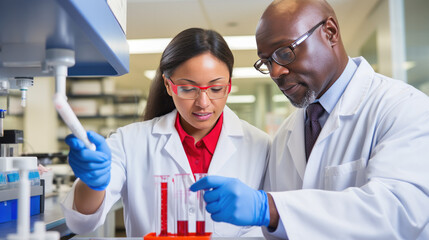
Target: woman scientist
<point>187,129</point>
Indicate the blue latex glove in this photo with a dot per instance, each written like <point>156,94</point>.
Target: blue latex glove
<point>92,167</point>
<point>229,200</point>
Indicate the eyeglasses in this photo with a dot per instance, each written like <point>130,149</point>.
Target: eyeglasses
<point>284,55</point>
<point>192,91</point>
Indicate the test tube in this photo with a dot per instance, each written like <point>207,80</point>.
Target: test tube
<point>182,192</point>
<point>1,122</point>
<point>161,201</point>
<point>201,208</point>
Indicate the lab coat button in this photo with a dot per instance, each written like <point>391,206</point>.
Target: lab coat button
<point>191,210</point>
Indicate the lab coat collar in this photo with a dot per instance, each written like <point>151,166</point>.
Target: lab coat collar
<point>229,139</point>
<point>165,125</point>
<point>356,91</point>
<point>296,141</point>
<point>349,103</point>
<point>231,123</point>
<point>173,145</point>
<point>232,131</point>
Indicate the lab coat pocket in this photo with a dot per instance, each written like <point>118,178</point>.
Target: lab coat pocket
<point>350,174</point>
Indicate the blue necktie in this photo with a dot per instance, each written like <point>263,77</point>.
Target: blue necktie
<point>312,126</point>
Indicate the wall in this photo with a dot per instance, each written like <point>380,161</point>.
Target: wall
<point>417,41</point>
<point>387,22</point>
<point>40,121</point>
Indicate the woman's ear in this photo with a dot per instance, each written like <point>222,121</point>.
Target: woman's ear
<point>167,86</point>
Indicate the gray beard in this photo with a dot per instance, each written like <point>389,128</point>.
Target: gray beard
<point>309,98</point>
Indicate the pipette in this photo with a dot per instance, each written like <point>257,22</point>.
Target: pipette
<point>70,119</point>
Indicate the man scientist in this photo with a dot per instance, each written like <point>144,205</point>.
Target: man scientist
<point>352,162</point>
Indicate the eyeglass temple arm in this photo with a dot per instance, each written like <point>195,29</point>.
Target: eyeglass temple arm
<point>306,35</point>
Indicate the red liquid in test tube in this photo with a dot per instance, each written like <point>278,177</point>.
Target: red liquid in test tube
<point>201,208</point>
<point>181,185</point>
<point>201,228</point>
<point>164,209</point>
<point>182,228</point>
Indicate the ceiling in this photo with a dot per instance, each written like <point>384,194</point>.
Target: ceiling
<point>166,18</point>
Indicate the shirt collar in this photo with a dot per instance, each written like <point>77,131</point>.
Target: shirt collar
<point>210,140</point>
<point>331,97</point>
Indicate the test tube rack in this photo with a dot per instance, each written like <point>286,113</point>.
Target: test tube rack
<point>190,236</point>
<point>178,184</point>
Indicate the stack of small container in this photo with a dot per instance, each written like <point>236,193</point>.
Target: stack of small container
<point>172,195</point>
<point>9,194</point>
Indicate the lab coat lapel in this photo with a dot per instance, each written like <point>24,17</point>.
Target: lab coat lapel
<point>226,146</point>
<point>173,145</point>
<point>296,142</point>
<point>356,91</point>
<point>348,105</point>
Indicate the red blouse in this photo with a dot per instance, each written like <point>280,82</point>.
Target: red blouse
<point>199,154</point>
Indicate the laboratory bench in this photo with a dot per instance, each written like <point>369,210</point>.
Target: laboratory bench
<point>52,216</point>
<point>140,238</point>
<point>54,219</point>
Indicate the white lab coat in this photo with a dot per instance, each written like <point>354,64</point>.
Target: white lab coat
<point>368,174</point>
<point>144,149</point>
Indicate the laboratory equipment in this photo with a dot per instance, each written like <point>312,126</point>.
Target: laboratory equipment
<point>58,38</point>
<point>1,122</point>
<point>9,183</point>
<point>201,208</point>
<point>53,38</point>
<point>58,61</point>
<point>181,195</point>
<point>173,198</point>
<point>68,116</point>
<point>25,165</point>
<point>161,208</point>
<point>31,27</point>
<point>10,143</point>
<point>21,83</point>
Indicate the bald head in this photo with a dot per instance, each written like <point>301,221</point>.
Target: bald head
<point>319,56</point>
<point>295,6</point>
<point>293,12</point>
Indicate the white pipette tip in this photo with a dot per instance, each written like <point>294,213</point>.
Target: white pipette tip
<point>91,146</point>
<point>68,116</point>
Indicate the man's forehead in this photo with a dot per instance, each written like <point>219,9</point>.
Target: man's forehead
<point>282,25</point>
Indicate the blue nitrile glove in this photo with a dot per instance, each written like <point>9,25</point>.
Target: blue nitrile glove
<point>92,167</point>
<point>229,200</point>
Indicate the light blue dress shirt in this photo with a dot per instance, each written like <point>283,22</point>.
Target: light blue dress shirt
<point>331,97</point>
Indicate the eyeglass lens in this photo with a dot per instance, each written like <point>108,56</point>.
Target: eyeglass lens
<point>282,56</point>
<point>190,92</point>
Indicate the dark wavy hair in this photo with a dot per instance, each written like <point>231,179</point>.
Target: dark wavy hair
<point>186,45</point>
